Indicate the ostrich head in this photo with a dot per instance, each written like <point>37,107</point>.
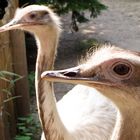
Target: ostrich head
<point>33,19</point>
<point>113,71</point>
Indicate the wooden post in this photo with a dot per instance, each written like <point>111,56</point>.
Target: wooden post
<point>20,67</point>
<point>5,64</point>
<point>12,58</point>
<point>4,131</point>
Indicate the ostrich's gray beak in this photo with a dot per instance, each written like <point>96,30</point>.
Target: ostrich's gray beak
<point>72,75</point>
<point>61,75</point>
<point>13,24</point>
<point>18,24</point>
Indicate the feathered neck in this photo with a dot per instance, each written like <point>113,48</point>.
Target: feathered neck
<point>47,40</point>
<point>127,125</point>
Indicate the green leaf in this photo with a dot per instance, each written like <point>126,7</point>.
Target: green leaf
<point>11,98</point>
<point>23,128</point>
<point>6,76</point>
<point>6,91</point>
<point>20,124</point>
<point>29,119</point>
<point>22,137</point>
<point>22,119</point>
<point>29,134</point>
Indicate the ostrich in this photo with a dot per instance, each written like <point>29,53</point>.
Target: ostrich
<point>116,75</point>
<point>82,114</point>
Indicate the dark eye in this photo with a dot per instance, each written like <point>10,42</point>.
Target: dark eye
<point>32,15</point>
<point>121,69</point>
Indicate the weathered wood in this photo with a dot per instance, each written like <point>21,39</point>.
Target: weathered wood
<point>4,133</point>
<point>5,64</point>
<point>7,118</point>
<point>13,59</point>
<point>20,67</point>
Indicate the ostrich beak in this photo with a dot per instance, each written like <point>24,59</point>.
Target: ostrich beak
<point>72,75</point>
<point>13,24</point>
<point>61,75</point>
<point>17,24</point>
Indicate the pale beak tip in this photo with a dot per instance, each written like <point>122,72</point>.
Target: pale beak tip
<point>2,29</point>
<point>43,75</point>
<point>47,74</point>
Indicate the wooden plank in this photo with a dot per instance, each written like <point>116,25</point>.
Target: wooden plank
<point>2,122</point>
<point>12,44</point>
<point>20,67</point>
<point>5,64</point>
<point>7,122</point>
<point>4,133</point>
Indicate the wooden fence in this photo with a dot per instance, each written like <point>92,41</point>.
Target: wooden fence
<point>12,59</point>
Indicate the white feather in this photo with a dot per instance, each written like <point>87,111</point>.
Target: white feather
<point>87,114</point>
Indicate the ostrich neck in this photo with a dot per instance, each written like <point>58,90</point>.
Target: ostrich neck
<point>52,126</point>
<point>128,121</point>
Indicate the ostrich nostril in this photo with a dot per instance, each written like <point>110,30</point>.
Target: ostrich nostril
<point>70,74</point>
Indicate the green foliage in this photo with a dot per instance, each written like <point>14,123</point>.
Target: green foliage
<point>11,78</point>
<point>64,6</point>
<point>77,7</point>
<point>31,79</point>
<point>85,45</point>
<point>26,128</point>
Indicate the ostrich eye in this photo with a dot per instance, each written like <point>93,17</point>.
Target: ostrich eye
<point>121,69</point>
<point>32,15</point>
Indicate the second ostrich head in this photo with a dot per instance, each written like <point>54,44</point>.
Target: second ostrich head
<point>112,70</point>
<point>115,73</point>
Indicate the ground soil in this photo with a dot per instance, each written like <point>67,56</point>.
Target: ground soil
<point>119,25</point>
